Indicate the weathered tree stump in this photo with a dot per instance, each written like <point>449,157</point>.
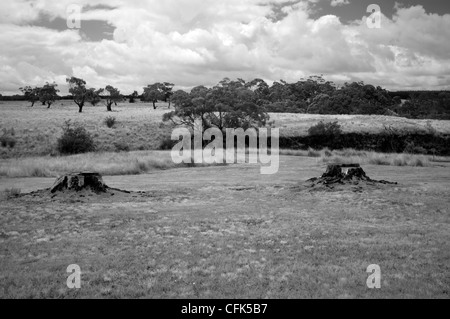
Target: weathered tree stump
<point>80,181</point>
<point>344,174</point>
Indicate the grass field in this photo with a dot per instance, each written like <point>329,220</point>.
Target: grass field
<point>216,231</point>
<point>229,232</point>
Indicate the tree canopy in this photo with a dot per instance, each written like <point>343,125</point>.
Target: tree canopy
<point>158,92</point>
<point>230,104</point>
<point>48,94</point>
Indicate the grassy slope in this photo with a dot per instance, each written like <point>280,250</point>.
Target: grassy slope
<point>230,232</point>
<point>139,126</point>
<point>37,129</point>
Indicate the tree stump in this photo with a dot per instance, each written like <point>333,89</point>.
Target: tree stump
<point>80,181</point>
<point>344,174</point>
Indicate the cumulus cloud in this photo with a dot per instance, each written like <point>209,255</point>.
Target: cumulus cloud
<point>338,3</point>
<point>201,41</point>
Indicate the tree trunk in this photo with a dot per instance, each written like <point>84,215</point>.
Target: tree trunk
<point>80,181</point>
<point>108,107</point>
<point>154,105</point>
<point>80,107</point>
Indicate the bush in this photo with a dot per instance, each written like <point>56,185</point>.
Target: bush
<point>325,129</point>
<point>167,144</point>
<point>75,140</point>
<point>122,147</point>
<point>411,148</point>
<point>8,141</point>
<point>110,121</point>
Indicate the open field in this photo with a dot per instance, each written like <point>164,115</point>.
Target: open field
<point>219,231</point>
<point>230,232</point>
<point>139,127</point>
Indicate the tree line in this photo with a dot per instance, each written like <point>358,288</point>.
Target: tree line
<point>313,95</point>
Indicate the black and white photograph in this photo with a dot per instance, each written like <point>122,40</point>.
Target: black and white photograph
<point>224,154</point>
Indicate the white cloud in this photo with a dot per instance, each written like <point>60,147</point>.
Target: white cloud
<point>197,42</point>
<point>338,3</point>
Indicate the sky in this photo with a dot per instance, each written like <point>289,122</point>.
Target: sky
<point>132,43</point>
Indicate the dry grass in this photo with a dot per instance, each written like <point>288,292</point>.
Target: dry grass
<point>132,163</point>
<point>349,156</point>
<point>141,162</point>
<point>373,158</point>
<point>10,193</point>
<point>298,124</point>
<point>37,129</point>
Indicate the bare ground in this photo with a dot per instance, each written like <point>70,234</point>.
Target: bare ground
<point>229,232</point>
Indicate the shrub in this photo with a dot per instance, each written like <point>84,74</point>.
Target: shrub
<point>75,140</point>
<point>325,129</point>
<point>110,121</point>
<point>411,148</point>
<point>167,144</point>
<point>122,147</point>
<point>8,141</point>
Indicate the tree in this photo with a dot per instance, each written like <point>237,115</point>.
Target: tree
<point>48,94</point>
<point>94,96</point>
<point>167,91</point>
<point>261,90</point>
<point>77,87</point>
<point>154,93</point>
<point>113,96</point>
<point>133,97</point>
<point>31,94</point>
<point>230,104</point>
